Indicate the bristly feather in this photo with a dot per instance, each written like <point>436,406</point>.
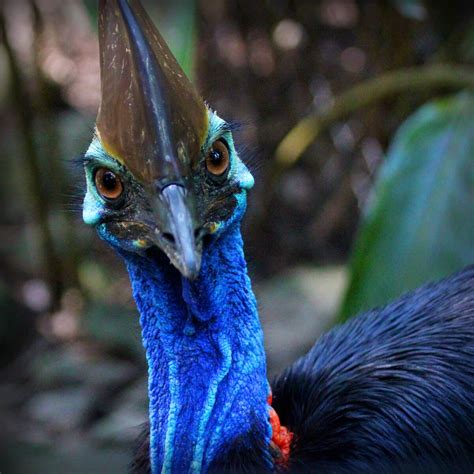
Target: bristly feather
<point>244,456</point>
<point>73,194</point>
<point>248,154</point>
<point>390,391</point>
<point>232,126</point>
<point>141,454</point>
<point>251,157</point>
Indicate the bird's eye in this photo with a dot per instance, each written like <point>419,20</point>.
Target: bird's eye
<point>108,184</point>
<point>217,159</point>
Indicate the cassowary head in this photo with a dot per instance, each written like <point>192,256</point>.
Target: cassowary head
<point>162,170</point>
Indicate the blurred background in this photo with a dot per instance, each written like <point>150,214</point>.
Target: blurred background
<point>356,120</point>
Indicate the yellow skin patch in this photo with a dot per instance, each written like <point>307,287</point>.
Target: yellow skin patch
<point>214,227</point>
<point>140,243</point>
<point>108,149</point>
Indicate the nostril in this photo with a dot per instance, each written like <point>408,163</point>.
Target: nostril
<point>169,237</point>
<point>199,233</point>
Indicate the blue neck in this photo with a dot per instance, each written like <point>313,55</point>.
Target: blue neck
<point>204,346</point>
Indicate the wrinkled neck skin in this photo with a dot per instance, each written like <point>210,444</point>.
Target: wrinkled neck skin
<point>204,345</point>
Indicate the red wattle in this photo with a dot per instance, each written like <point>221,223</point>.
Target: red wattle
<point>281,436</point>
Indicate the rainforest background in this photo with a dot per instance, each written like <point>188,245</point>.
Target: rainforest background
<point>356,118</point>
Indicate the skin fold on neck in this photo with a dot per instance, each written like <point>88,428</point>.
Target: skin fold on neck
<point>204,346</point>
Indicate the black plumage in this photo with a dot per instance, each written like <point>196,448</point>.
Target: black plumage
<point>390,391</point>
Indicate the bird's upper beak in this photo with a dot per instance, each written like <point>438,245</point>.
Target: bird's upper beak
<point>152,120</point>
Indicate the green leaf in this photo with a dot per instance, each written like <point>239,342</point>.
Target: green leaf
<point>420,224</point>
<point>176,21</point>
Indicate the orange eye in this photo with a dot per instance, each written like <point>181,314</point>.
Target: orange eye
<point>217,159</point>
<point>108,184</point>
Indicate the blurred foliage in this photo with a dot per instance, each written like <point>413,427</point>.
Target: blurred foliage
<point>116,329</point>
<point>176,21</point>
<point>414,9</point>
<point>182,34</point>
<point>367,93</point>
<point>419,225</point>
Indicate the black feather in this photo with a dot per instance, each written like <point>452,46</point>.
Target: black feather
<point>391,390</point>
<point>245,456</point>
<point>141,454</point>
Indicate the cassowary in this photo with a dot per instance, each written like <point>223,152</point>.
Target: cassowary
<point>390,391</point>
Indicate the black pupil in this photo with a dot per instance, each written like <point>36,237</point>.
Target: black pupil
<point>215,156</point>
<point>109,181</point>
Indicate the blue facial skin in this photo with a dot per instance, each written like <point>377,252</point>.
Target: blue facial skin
<point>203,340</point>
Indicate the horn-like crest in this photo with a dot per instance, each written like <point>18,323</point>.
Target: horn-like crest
<point>150,118</point>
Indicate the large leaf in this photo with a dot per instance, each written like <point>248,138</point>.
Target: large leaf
<point>420,224</point>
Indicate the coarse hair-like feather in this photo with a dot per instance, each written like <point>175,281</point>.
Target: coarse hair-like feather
<point>392,390</point>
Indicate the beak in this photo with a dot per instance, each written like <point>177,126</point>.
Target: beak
<point>152,120</point>
<point>180,237</point>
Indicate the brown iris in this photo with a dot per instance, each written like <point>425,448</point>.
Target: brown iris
<point>217,159</point>
<point>108,184</point>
